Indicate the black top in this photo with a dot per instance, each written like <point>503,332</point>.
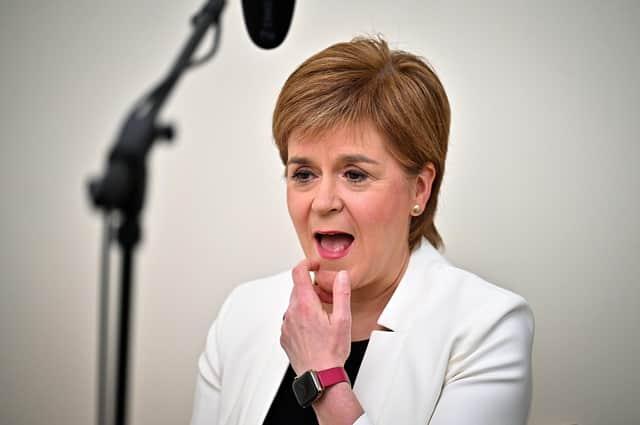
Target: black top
<point>286,410</point>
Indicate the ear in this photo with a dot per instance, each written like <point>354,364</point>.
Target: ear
<point>423,184</point>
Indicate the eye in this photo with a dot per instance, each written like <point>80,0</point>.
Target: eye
<point>355,176</point>
<point>302,175</point>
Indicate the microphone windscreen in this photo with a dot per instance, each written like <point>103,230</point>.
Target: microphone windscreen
<point>267,21</point>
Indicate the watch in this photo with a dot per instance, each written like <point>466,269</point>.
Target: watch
<point>309,386</point>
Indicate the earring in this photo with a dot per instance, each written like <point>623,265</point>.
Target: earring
<point>416,210</point>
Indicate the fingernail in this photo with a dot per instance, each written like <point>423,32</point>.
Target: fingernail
<point>343,277</point>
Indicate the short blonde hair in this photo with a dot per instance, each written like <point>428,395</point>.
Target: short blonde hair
<point>363,80</point>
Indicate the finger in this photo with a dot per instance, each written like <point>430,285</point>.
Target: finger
<point>302,285</point>
<point>342,296</point>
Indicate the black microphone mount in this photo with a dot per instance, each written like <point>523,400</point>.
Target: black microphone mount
<point>122,187</point>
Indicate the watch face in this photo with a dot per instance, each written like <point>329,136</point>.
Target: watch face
<point>306,389</point>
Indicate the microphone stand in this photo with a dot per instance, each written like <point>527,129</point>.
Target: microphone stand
<point>120,193</point>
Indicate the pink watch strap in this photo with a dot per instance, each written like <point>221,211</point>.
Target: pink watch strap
<point>332,376</point>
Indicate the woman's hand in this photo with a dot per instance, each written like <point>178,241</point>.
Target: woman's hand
<point>312,337</point>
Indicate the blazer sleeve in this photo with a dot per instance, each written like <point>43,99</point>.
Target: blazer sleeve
<point>209,381</point>
<point>488,381</point>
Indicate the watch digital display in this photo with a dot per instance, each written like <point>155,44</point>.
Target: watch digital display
<point>306,388</point>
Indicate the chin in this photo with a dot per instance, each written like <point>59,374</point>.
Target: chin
<point>324,278</point>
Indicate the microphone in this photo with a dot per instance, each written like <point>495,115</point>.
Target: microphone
<point>267,21</point>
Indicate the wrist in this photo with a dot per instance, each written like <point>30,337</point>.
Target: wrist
<point>334,391</point>
<point>338,405</point>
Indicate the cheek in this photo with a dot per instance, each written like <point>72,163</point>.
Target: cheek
<point>294,205</point>
<point>379,210</point>
<point>298,207</point>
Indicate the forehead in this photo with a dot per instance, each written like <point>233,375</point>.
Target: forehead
<point>363,138</point>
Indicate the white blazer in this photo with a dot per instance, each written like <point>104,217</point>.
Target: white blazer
<point>458,352</point>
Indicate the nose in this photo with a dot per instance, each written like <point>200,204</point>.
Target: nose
<point>326,198</point>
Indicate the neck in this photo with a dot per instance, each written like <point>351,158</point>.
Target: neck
<point>367,303</point>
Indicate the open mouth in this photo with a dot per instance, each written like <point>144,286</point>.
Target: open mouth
<point>333,244</point>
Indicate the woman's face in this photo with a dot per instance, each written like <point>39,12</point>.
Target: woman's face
<point>350,203</point>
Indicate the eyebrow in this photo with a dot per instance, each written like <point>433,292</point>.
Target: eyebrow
<point>349,159</point>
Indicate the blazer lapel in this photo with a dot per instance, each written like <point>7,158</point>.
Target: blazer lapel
<point>264,375</point>
<point>378,368</point>
<point>268,376</point>
<point>386,381</point>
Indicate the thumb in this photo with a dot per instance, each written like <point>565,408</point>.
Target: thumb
<point>342,296</point>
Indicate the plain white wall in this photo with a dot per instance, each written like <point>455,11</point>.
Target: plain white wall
<point>540,195</point>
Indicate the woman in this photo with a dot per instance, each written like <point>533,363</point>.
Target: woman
<point>362,132</point>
